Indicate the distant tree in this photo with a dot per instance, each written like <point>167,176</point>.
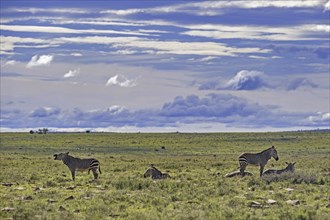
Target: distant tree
<point>42,131</point>
<point>31,132</point>
<point>45,130</point>
<point>88,131</point>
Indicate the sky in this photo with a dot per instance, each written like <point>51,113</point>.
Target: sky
<point>165,66</point>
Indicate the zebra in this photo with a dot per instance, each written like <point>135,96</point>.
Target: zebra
<point>237,173</point>
<point>74,164</point>
<point>155,173</point>
<point>288,168</point>
<point>260,159</point>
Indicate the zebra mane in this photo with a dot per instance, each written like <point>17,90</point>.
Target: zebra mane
<point>68,158</point>
<point>268,149</point>
<point>153,167</point>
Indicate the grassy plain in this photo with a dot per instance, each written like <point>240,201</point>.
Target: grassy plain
<point>35,186</point>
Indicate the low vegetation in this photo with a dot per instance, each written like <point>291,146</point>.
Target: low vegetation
<point>35,186</point>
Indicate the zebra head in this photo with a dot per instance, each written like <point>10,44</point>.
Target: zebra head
<point>61,156</point>
<point>150,170</point>
<point>148,173</point>
<point>290,166</point>
<point>273,153</point>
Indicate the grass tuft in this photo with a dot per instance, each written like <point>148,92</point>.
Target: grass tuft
<point>295,178</point>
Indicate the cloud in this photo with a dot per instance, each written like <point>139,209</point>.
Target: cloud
<point>63,30</point>
<point>254,80</point>
<point>191,48</point>
<point>42,112</point>
<point>207,59</point>
<point>243,80</point>
<point>123,12</point>
<point>107,21</point>
<point>76,54</point>
<point>260,4</point>
<point>48,10</point>
<point>136,44</point>
<point>121,81</point>
<point>320,118</point>
<point>279,33</point>
<point>300,82</point>
<point>327,6</point>
<point>213,106</point>
<point>212,8</point>
<point>210,85</point>
<point>246,80</point>
<point>72,73</point>
<point>42,60</point>
<point>165,47</point>
<point>8,43</point>
<point>9,63</point>
<point>212,109</point>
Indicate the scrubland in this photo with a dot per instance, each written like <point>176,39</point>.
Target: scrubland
<point>35,186</point>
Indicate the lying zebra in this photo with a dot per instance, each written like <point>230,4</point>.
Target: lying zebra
<point>289,168</point>
<point>238,173</point>
<point>155,173</point>
<point>76,164</point>
<point>260,159</point>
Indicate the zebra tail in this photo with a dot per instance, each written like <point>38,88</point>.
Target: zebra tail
<point>100,169</point>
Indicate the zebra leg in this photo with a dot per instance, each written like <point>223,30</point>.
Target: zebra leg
<point>73,175</point>
<point>261,169</point>
<point>95,173</point>
<point>242,168</point>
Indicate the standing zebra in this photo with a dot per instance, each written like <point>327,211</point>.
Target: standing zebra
<point>74,163</point>
<point>260,159</point>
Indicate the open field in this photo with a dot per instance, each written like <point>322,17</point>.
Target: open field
<point>35,186</point>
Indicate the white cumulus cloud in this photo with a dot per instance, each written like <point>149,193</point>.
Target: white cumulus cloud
<point>121,81</point>
<point>42,60</point>
<point>246,80</point>
<point>10,63</point>
<point>72,73</point>
<point>320,117</point>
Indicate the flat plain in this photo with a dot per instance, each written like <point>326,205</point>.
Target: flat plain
<point>35,186</point>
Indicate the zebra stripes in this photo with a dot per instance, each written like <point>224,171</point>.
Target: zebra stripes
<point>260,159</point>
<point>76,164</point>
<point>154,173</point>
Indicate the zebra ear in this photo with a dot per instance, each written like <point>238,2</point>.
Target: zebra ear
<point>287,163</point>
<point>67,153</point>
<point>294,163</point>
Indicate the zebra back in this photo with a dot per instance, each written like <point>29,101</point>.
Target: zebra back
<point>75,163</point>
<point>258,158</point>
<point>154,173</point>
